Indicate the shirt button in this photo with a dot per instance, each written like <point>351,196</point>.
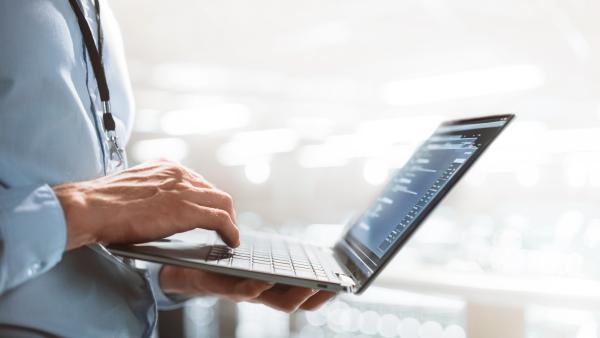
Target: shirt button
<point>35,267</point>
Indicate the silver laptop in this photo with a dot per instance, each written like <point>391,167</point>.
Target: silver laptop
<point>368,243</point>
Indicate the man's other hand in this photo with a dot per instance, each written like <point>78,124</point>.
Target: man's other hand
<point>193,282</point>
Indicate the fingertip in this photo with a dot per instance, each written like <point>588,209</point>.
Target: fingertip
<point>236,237</point>
<point>232,237</point>
<point>264,285</point>
<point>233,243</point>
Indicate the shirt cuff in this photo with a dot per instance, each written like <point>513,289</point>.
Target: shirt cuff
<point>163,301</point>
<point>33,233</point>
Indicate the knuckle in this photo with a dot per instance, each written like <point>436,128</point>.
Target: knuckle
<point>168,183</point>
<point>250,293</point>
<point>288,309</point>
<point>227,199</point>
<point>184,186</point>
<point>175,170</point>
<point>255,293</point>
<point>153,191</point>
<point>222,216</point>
<point>245,292</point>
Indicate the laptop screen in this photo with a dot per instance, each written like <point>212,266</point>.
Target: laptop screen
<point>416,188</point>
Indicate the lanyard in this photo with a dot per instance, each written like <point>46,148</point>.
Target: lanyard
<point>95,54</point>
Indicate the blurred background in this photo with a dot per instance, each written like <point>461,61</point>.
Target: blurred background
<point>301,109</point>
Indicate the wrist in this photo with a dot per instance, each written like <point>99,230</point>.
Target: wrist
<point>174,281</point>
<point>72,201</point>
<point>170,280</point>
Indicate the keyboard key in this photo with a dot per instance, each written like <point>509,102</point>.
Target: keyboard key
<point>279,256</point>
<point>240,263</point>
<point>282,263</point>
<point>303,269</point>
<point>285,272</point>
<point>302,266</point>
<point>305,274</point>
<point>261,260</point>
<point>261,267</point>
<point>224,262</point>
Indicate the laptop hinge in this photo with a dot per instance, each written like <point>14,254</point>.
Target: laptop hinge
<point>345,277</point>
<point>348,249</point>
<point>346,281</point>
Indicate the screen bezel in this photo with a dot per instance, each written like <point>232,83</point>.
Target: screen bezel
<point>348,246</point>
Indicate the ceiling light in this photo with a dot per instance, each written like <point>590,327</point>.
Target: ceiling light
<point>249,145</point>
<point>463,85</point>
<point>207,119</point>
<point>258,171</point>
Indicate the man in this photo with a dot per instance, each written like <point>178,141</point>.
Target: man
<point>57,206</point>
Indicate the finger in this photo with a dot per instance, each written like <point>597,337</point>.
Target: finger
<point>287,300</point>
<point>235,288</point>
<point>214,283</point>
<point>250,289</point>
<point>197,180</point>
<point>197,216</point>
<point>317,300</point>
<point>211,198</point>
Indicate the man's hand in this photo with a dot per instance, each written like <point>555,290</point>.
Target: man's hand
<point>192,282</point>
<point>144,203</point>
<point>159,199</point>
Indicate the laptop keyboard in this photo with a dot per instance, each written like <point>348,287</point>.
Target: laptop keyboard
<point>273,255</point>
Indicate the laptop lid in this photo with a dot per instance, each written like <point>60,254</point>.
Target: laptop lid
<point>412,193</point>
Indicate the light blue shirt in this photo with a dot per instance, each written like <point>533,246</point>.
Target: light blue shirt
<point>50,133</point>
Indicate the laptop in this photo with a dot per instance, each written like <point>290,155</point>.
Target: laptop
<point>368,243</point>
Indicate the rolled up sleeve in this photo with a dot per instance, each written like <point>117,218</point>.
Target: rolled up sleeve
<point>33,233</point>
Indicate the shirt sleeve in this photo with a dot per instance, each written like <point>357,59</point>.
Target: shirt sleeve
<point>33,234</point>
<point>163,301</point>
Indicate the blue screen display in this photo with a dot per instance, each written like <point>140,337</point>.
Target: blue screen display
<point>414,186</point>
